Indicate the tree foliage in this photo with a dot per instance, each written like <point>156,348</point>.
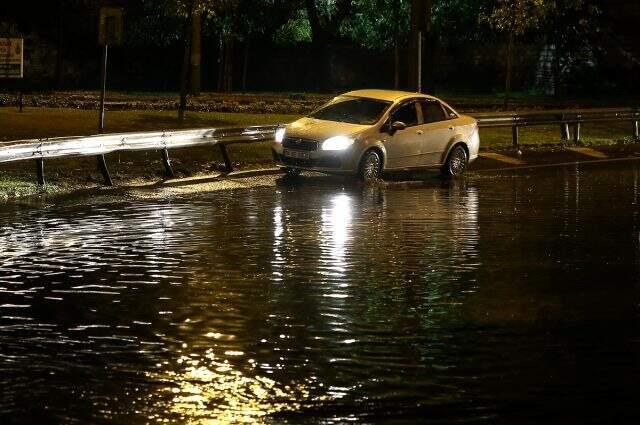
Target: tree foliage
<point>326,18</point>
<point>456,21</point>
<point>572,25</point>
<point>516,17</point>
<point>377,24</point>
<point>382,25</point>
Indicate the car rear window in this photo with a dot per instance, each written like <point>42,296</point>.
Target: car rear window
<point>432,111</point>
<point>353,110</point>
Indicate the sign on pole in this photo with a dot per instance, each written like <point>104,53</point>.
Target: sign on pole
<point>110,26</point>
<point>11,58</point>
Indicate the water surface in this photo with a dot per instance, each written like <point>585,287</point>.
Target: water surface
<point>509,298</point>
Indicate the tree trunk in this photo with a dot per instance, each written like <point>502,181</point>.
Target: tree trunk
<point>59,51</point>
<point>396,45</point>
<point>396,66</point>
<point>320,47</point>
<point>220,80</point>
<point>184,74</point>
<point>245,63</point>
<point>412,57</point>
<point>225,63</point>
<point>429,56</point>
<point>196,54</point>
<point>228,63</point>
<point>557,73</point>
<point>507,83</point>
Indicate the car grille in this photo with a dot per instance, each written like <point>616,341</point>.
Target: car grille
<point>300,144</point>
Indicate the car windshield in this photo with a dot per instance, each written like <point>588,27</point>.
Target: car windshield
<point>353,110</point>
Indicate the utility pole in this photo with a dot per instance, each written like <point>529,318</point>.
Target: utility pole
<point>419,25</point>
<point>419,61</point>
<point>103,86</point>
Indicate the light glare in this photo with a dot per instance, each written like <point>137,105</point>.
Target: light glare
<point>280,135</point>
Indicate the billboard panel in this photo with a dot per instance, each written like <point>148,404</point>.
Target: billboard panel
<point>11,58</point>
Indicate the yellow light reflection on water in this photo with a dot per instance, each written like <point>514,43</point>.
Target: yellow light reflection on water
<point>210,391</point>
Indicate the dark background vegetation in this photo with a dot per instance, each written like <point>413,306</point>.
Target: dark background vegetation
<point>559,47</point>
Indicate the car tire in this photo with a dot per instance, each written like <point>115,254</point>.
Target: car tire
<point>456,162</point>
<point>370,166</point>
<point>292,172</point>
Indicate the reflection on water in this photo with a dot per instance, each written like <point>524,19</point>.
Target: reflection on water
<point>326,301</point>
<point>201,388</point>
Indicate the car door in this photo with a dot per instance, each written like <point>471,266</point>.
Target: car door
<point>437,129</point>
<point>403,146</point>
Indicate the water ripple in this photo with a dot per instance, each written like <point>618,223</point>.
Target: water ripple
<point>329,300</point>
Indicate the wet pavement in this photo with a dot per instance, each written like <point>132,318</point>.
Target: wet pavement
<point>507,297</point>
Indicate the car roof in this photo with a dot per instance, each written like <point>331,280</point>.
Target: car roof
<point>388,95</point>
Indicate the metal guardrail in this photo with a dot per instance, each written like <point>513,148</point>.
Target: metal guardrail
<point>99,145</point>
<point>564,118</point>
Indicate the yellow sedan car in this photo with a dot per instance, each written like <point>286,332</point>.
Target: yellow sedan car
<point>370,132</point>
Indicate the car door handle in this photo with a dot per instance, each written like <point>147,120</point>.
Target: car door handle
<point>451,127</point>
<point>419,132</point>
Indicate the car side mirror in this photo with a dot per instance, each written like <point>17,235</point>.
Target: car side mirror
<point>396,126</point>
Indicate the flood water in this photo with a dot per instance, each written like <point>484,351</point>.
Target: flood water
<point>509,298</point>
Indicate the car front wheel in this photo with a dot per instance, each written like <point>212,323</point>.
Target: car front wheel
<point>370,166</point>
<point>456,162</point>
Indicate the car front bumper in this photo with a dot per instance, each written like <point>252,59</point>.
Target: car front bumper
<point>339,162</point>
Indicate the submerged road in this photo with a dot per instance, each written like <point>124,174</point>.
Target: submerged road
<point>510,297</point>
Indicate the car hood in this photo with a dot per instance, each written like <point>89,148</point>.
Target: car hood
<point>320,130</point>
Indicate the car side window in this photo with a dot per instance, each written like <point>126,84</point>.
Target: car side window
<point>432,111</point>
<point>406,113</point>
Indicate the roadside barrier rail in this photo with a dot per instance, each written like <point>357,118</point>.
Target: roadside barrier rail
<point>564,118</point>
<point>99,145</point>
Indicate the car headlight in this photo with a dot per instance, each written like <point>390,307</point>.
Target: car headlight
<point>280,134</point>
<point>337,143</point>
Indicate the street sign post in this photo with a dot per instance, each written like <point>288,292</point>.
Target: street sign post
<point>11,58</point>
<point>109,34</point>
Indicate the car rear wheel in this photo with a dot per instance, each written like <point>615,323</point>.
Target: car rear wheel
<point>292,172</point>
<point>370,166</point>
<point>456,163</point>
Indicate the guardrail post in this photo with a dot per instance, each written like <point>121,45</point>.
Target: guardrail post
<point>40,171</point>
<point>168,171</point>
<point>102,166</point>
<point>228,165</point>
<point>515,135</point>
<point>636,130</point>
<point>576,133</point>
